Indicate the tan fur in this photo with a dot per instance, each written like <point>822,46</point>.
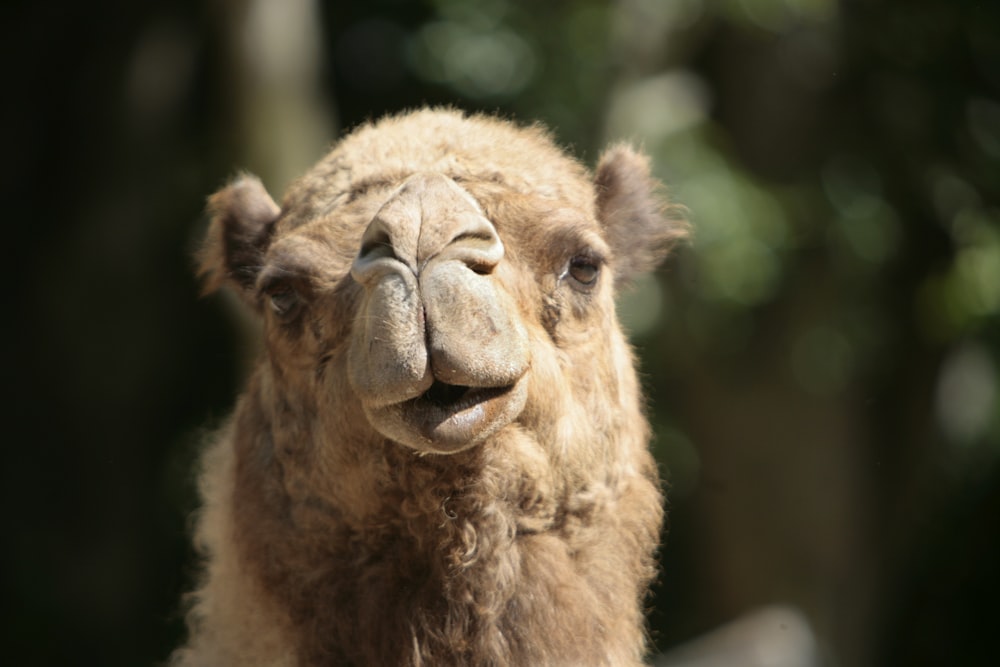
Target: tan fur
<point>528,541</point>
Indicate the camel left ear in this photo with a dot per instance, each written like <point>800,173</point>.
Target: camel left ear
<point>242,220</point>
<point>640,224</point>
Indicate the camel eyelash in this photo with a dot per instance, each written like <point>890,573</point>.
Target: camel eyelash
<point>284,302</point>
<point>276,278</point>
<point>583,270</point>
<point>281,291</point>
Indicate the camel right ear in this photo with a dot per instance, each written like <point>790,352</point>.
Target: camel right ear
<point>640,223</point>
<point>242,221</point>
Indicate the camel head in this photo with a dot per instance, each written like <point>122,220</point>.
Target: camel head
<point>444,276</point>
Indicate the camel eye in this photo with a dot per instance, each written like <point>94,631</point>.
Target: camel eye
<point>284,302</point>
<point>584,272</point>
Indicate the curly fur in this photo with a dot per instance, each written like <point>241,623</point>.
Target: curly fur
<point>326,543</point>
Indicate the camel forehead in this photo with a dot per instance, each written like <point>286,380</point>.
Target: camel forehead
<point>382,155</point>
<point>476,147</point>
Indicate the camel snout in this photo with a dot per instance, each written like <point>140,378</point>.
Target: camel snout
<point>428,218</point>
<point>434,314</point>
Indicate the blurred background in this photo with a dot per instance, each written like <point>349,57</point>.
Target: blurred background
<point>822,360</point>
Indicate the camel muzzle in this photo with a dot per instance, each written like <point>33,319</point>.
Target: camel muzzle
<point>438,349</point>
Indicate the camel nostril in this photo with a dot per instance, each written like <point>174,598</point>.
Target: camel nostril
<point>380,245</point>
<point>377,255</point>
<point>477,246</point>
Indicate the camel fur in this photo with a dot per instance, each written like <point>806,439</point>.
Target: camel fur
<point>441,458</point>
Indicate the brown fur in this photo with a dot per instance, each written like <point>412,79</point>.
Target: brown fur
<point>531,543</point>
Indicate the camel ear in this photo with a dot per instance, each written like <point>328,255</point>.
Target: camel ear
<point>242,220</point>
<point>639,223</point>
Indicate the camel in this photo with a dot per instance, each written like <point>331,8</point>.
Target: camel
<point>441,457</point>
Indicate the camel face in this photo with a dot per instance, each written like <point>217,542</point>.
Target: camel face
<point>431,264</point>
<point>442,456</point>
<point>438,352</point>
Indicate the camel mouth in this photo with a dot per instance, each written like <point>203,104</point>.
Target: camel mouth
<point>453,398</point>
<point>455,416</point>
<point>448,418</point>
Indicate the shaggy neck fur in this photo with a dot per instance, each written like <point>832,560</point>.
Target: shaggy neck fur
<point>467,559</point>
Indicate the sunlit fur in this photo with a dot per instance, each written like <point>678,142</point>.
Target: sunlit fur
<point>324,543</point>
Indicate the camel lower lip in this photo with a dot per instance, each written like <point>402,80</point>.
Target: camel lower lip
<point>449,415</point>
<point>446,418</point>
